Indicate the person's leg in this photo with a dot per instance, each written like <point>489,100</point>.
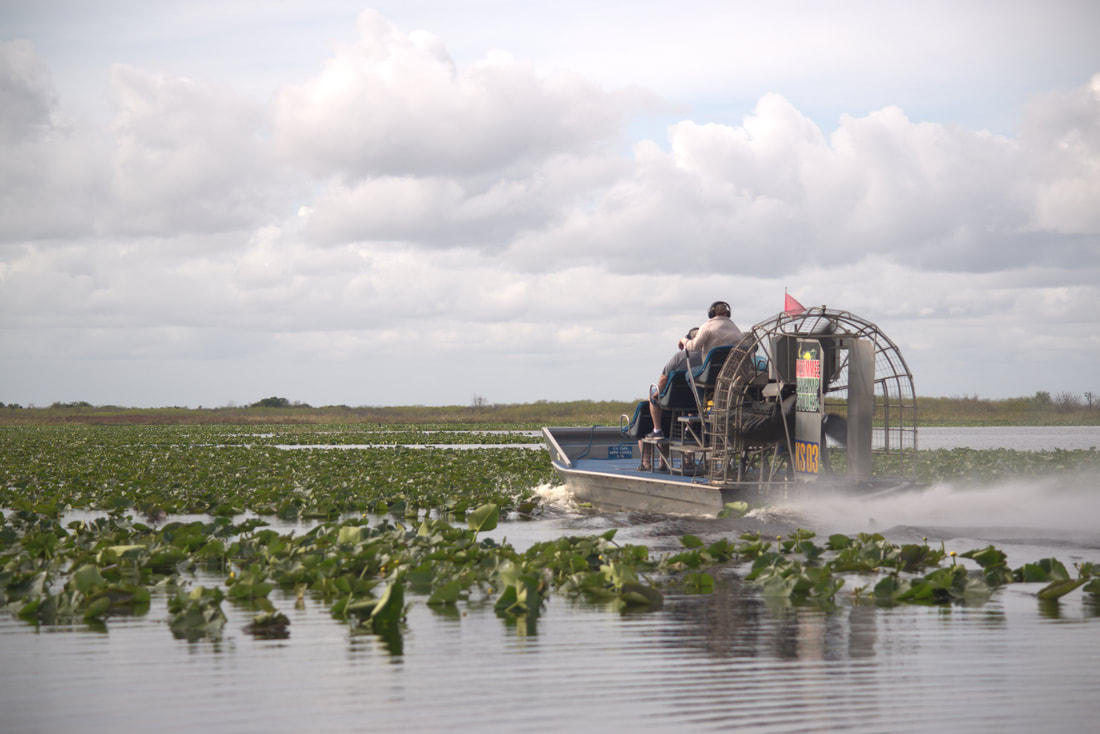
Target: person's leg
<point>655,414</point>
<point>655,411</point>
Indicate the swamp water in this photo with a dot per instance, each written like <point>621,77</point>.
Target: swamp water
<point>729,660</point>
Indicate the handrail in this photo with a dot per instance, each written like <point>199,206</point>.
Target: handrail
<point>557,449</point>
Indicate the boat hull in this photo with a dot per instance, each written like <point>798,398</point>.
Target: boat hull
<point>598,465</point>
<point>662,496</point>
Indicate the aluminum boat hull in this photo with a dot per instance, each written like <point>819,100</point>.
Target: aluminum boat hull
<point>598,465</point>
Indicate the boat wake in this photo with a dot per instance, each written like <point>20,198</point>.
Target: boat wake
<point>555,498</point>
<point>1059,511</point>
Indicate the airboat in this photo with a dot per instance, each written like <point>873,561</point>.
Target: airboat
<point>815,401</point>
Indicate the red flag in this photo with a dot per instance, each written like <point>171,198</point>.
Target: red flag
<point>792,306</point>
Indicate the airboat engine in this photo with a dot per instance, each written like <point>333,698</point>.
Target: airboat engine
<point>814,394</point>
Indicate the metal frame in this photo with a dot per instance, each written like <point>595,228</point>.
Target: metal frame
<point>744,388</point>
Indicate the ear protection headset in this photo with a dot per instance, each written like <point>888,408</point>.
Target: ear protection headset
<point>713,310</point>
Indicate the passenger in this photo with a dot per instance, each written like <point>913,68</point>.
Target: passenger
<point>679,361</point>
<point>718,330</point>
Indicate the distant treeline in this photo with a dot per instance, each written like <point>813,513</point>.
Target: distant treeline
<point>282,411</point>
<point>1040,409</point>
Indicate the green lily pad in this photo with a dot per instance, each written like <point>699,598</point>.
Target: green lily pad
<point>448,593</point>
<point>1058,589</point>
<point>640,595</point>
<point>483,518</point>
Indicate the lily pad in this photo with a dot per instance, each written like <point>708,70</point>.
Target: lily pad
<point>483,518</point>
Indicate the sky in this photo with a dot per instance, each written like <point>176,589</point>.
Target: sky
<point>432,202</point>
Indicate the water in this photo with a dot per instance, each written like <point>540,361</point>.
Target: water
<point>1021,438</point>
<point>723,661</point>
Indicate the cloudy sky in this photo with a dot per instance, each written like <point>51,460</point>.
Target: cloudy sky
<point>420,201</point>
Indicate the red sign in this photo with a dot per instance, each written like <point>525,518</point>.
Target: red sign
<point>808,368</point>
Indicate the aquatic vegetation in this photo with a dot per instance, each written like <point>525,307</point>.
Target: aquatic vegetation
<point>158,471</point>
<point>252,584</point>
<point>196,613</point>
<point>799,571</point>
<point>521,594</point>
<point>382,615</point>
<point>397,526</point>
<point>85,596</point>
<point>226,470</point>
<point>941,586</point>
<point>90,571</point>
<point>269,626</point>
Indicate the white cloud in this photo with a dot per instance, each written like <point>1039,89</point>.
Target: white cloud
<point>1064,131</point>
<point>395,104</point>
<point>481,226</point>
<point>932,196</point>
<point>27,98</point>
<point>187,156</point>
<point>50,170</point>
<point>446,211</point>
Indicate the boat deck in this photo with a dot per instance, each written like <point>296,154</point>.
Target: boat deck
<point>630,468</point>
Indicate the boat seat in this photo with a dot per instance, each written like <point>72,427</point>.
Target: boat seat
<point>678,393</point>
<point>642,423</point>
<point>706,374</point>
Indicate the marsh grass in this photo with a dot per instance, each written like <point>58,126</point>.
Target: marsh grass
<point>1042,409</point>
<point>520,415</point>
